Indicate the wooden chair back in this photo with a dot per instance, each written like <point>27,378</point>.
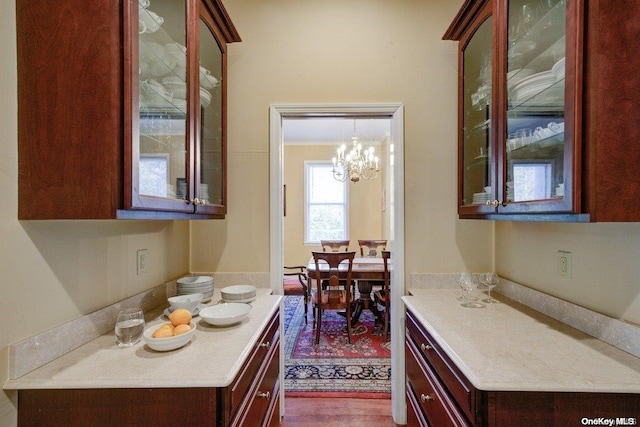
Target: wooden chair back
<point>337,294</point>
<point>372,248</point>
<point>295,282</point>
<point>335,245</point>
<point>386,299</point>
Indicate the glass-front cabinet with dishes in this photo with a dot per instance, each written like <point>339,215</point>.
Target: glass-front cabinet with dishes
<point>179,151</point>
<point>517,108</point>
<point>130,121</point>
<point>476,151</point>
<point>536,151</point>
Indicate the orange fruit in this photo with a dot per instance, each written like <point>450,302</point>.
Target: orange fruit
<point>168,326</point>
<point>181,329</point>
<point>163,332</point>
<point>180,316</point>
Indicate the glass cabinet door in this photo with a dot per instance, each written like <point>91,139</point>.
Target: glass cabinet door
<point>160,153</point>
<point>210,161</point>
<point>476,152</point>
<point>535,162</point>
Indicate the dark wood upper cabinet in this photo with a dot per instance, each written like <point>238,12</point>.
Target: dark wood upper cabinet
<point>122,109</point>
<point>548,110</point>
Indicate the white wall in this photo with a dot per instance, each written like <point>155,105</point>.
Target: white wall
<point>337,51</point>
<point>605,263</point>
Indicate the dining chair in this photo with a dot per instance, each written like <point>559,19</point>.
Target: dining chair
<point>336,296</point>
<point>335,245</point>
<point>383,296</point>
<point>295,282</point>
<point>371,248</point>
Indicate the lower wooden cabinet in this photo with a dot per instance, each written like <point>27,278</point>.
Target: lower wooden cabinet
<point>439,394</point>
<point>437,391</point>
<point>251,400</point>
<point>253,395</point>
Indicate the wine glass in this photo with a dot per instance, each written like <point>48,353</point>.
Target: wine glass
<point>129,326</point>
<point>464,277</point>
<point>468,284</point>
<point>490,280</point>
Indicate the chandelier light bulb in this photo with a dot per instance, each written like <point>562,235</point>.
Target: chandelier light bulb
<point>358,163</point>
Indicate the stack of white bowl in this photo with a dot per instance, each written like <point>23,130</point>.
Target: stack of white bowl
<point>195,285</point>
<point>239,293</point>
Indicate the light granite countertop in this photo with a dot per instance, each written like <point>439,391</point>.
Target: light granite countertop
<point>212,358</point>
<point>511,347</point>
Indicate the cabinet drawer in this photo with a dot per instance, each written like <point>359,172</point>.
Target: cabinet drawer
<point>434,401</point>
<point>458,385</point>
<point>263,398</point>
<point>249,373</point>
<point>414,413</point>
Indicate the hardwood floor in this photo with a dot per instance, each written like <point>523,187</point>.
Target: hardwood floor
<point>316,412</point>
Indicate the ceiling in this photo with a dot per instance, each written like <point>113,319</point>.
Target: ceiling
<point>334,129</point>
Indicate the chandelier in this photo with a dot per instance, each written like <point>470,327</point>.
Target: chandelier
<point>357,163</point>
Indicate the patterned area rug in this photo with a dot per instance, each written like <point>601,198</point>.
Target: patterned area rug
<point>334,368</point>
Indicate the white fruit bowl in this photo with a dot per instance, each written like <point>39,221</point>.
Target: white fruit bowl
<point>168,343</point>
<point>188,302</point>
<point>225,314</point>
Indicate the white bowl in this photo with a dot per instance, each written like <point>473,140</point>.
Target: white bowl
<point>169,343</point>
<point>238,292</point>
<point>188,302</point>
<point>225,314</point>
<point>195,280</point>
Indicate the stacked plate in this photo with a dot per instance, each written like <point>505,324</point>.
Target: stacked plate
<point>480,198</point>
<point>239,293</point>
<point>195,285</point>
<point>558,69</point>
<point>532,85</point>
<point>516,76</point>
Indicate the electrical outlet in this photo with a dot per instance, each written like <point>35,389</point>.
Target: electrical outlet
<point>142,261</point>
<point>564,264</point>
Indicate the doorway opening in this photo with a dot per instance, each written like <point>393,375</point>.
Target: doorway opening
<point>394,113</point>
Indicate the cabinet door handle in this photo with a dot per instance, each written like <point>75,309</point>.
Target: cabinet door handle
<point>265,345</point>
<point>427,397</point>
<point>265,395</point>
<point>425,347</point>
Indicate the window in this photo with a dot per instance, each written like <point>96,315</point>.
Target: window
<point>154,174</point>
<point>326,210</point>
<point>532,180</point>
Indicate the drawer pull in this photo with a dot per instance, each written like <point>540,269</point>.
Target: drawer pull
<point>427,397</point>
<point>425,347</point>
<point>266,395</point>
<point>265,345</point>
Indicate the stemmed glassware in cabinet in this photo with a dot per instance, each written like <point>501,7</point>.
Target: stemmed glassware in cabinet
<point>490,280</point>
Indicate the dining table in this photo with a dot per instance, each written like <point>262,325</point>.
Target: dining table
<point>367,272</point>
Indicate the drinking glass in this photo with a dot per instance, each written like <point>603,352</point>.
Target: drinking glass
<point>468,284</point>
<point>129,326</point>
<point>490,280</point>
<point>462,278</point>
